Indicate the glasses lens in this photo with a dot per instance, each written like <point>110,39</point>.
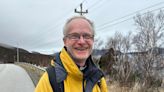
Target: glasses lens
<point>73,36</point>
<point>76,36</point>
<point>87,36</point>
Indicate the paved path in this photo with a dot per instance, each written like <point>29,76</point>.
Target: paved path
<point>14,79</point>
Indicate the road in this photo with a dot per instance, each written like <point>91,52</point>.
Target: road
<point>14,79</point>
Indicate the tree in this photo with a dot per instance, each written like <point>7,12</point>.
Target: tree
<point>122,67</point>
<point>150,29</point>
<point>150,34</point>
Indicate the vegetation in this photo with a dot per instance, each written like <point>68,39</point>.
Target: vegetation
<point>132,64</point>
<point>143,65</point>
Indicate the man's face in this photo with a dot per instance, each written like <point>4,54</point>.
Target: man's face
<point>79,39</point>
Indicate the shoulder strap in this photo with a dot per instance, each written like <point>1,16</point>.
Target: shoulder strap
<point>57,87</point>
<point>58,60</point>
<point>52,78</point>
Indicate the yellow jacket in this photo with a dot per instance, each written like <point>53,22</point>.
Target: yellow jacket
<point>74,79</point>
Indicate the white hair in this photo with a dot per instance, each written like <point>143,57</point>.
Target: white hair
<point>66,27</point>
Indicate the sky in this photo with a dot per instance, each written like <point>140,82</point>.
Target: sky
<point>37,25</point>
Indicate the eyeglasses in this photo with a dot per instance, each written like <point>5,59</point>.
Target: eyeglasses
<point>76,36</point>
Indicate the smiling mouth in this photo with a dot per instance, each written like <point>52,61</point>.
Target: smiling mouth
<point>81,49</point>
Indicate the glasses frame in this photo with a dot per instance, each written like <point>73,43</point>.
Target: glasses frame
<point>77,36</point>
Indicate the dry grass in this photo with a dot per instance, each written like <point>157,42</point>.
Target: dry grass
<point>115,87</point>
<point>35,75</point>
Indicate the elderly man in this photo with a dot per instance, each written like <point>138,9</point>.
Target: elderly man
<point>73,68</point>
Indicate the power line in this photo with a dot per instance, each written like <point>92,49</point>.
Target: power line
<point>58,39</point>
<point>93,6</point>
<point>105,25</point>
<point>126,20</point>
<point>101,26</point>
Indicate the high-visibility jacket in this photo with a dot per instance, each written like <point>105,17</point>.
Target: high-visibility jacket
<point>76,80</point>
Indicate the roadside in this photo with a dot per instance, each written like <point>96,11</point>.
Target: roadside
<point>36,73</point>
<point>14,78</point>
<point>33,72</point>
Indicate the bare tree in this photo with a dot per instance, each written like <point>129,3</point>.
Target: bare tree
<point>150,34</point>
<point>122,68</point>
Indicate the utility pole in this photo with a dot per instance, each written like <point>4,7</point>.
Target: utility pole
<point>17,54</point>
<point>81,12</point>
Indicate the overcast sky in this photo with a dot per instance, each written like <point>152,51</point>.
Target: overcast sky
<point>36,25</point>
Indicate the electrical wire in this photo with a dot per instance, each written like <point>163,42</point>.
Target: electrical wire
<point>109,22</point>
<point>126,20</point>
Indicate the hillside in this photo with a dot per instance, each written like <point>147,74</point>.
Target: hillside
<point>8,54</point>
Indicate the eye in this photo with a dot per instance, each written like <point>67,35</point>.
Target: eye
<point>88,36</point>
<point>73,36</point>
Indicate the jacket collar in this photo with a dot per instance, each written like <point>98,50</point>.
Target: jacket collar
<point>73,69</point>
<point>92,74</point>
<point>70,66</point>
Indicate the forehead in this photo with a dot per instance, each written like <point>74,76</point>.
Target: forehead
<point>79,24</point>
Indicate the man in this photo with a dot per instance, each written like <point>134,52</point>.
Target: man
<point>81,73</point>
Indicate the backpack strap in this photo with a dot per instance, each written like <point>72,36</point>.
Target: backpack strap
<point>58,60</point>
<point>57,86</point>
<point>52,78</point>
